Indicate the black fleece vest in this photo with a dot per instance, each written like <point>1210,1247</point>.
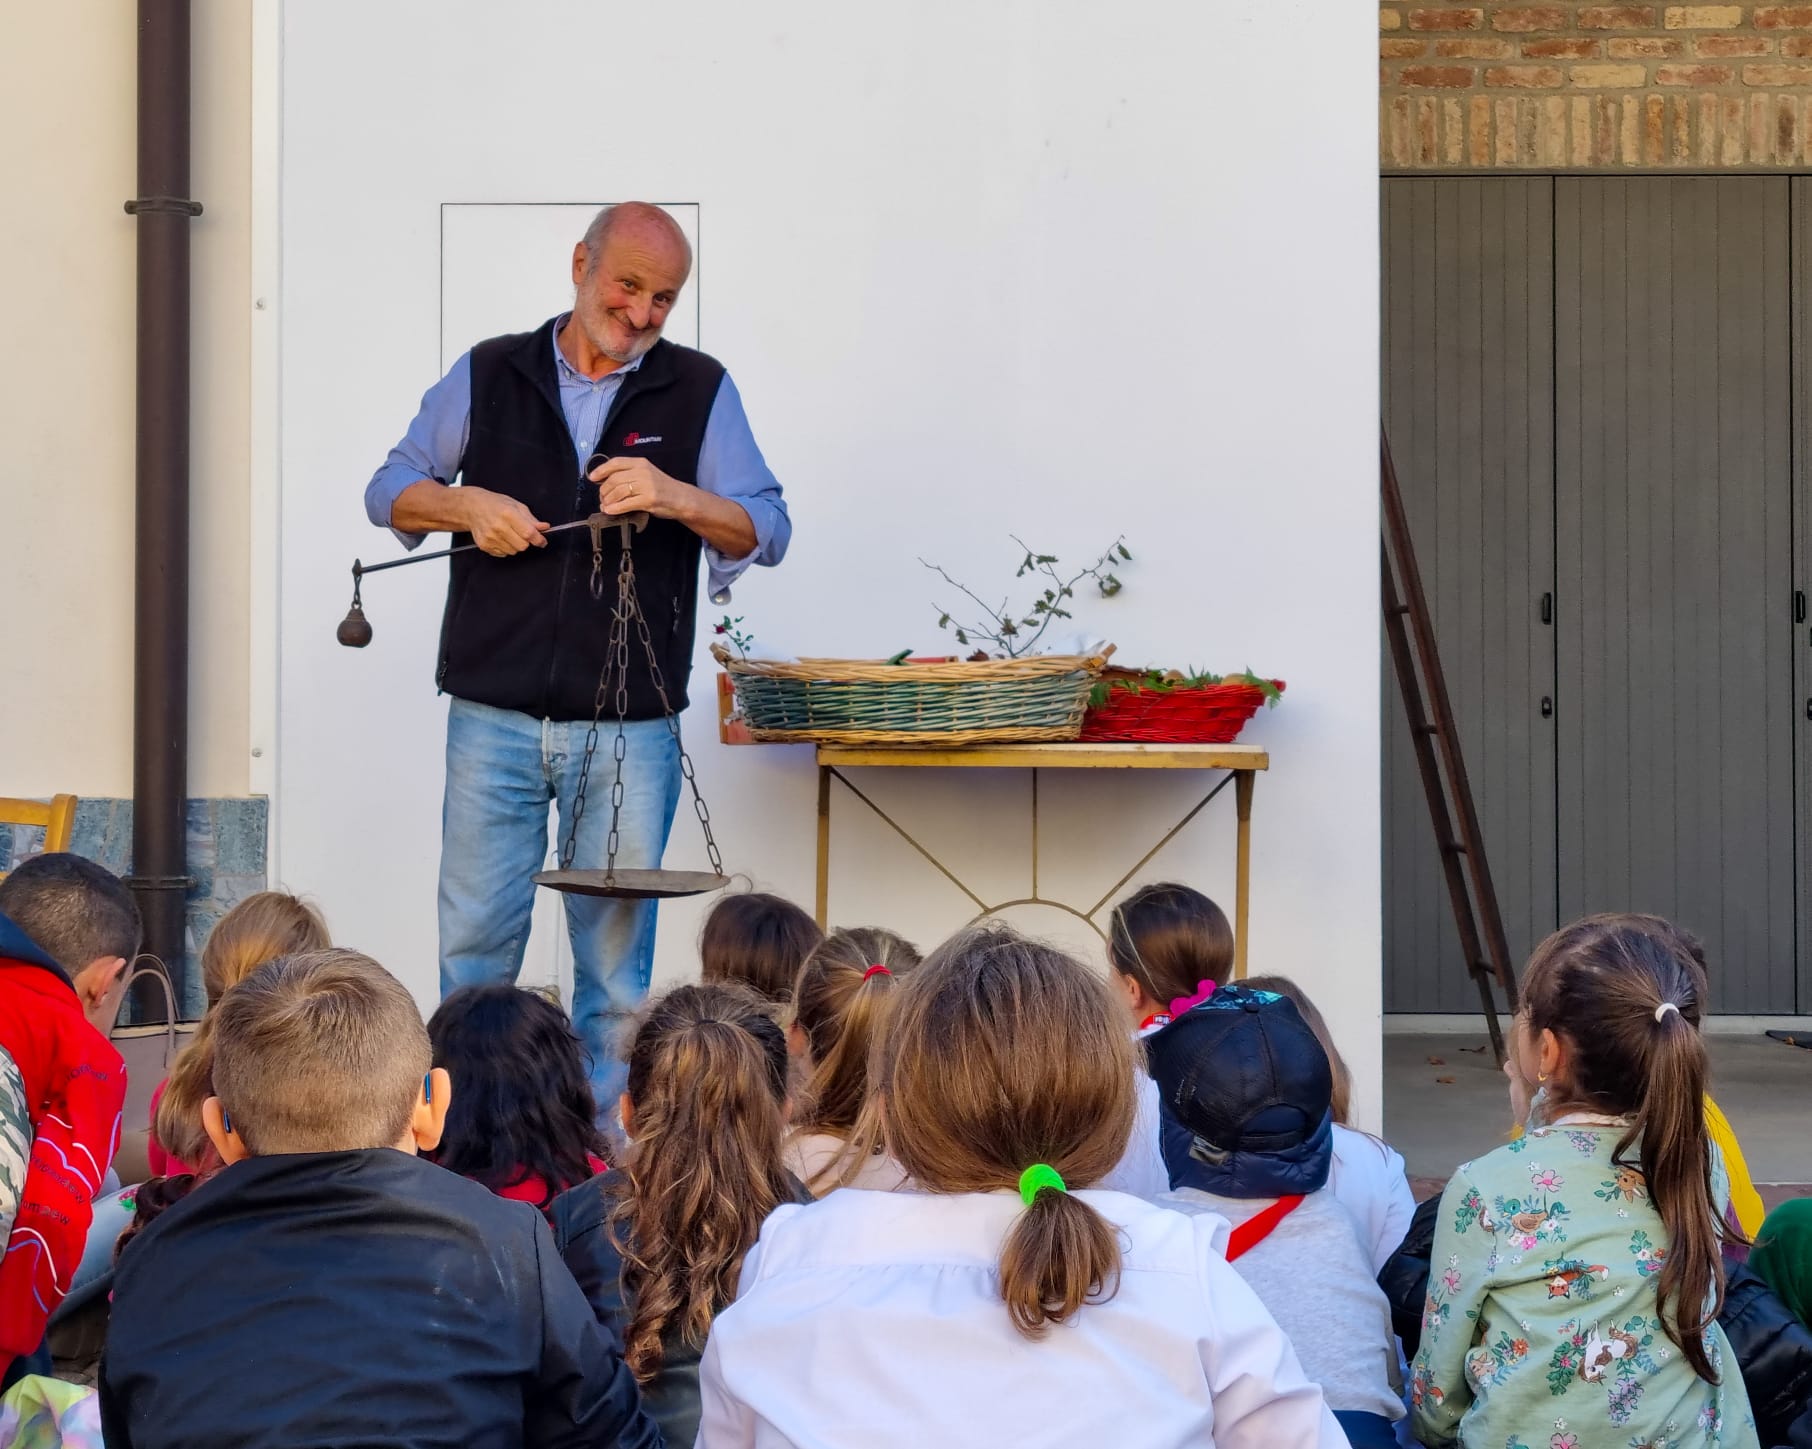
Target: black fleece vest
<point>524,633</point>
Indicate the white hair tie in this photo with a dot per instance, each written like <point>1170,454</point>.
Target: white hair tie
<point>1664,1008</point>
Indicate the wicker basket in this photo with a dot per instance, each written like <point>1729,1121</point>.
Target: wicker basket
<point>1208,714</point>
<point>870,702</point>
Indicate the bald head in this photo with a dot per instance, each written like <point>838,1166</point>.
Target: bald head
<point>645,224</point>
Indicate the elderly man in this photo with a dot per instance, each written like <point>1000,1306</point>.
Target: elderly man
<point>523,641</point>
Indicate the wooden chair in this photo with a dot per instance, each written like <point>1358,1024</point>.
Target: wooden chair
<point>57,816</point>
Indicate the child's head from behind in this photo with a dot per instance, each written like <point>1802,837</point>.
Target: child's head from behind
<point>83,917</point>
<point>321,1052</point>
<point>1165,942</point>
<point>704,1109</point>
<point>840,1002</point>
<point>522,1101</point>
<point>1609,1023</point>
<point>259,928</point>
<point>1342,1102</point>
<point>759,940</point>
<point>1245,1075</point>
<point>1003,1054</point>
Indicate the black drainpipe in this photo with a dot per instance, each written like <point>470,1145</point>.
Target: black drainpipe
<point>160,696</point>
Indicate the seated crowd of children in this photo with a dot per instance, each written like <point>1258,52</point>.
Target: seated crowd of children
<point>856,1197</point>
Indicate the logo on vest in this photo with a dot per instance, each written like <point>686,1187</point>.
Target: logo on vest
<point>638,439</point>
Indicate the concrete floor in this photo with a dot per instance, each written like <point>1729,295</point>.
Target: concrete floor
<point>1445,1101</point>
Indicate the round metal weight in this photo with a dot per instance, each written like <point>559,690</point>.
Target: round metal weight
<point>632,885</point>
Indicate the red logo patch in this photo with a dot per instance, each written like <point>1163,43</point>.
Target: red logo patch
<point>629,442</point>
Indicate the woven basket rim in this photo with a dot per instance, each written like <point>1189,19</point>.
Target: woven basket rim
<point>879,671</point>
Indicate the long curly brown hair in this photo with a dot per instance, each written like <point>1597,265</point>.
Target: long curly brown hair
<point>707,1089</point>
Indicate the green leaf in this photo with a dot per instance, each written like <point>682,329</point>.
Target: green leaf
<point>1046,558</point>
<point>961,637</point>
<point>1123,552</point>
<point>943,621</point>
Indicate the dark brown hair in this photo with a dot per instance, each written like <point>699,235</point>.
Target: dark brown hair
<point>707,1085</point>
<point>759,940</point>
<point>522,1103</point>
<point>1598,985</point>
<point>1170,938</point>
<point>1342,1104</point>
<point>840,1003</point>
<point>1002,1053</point>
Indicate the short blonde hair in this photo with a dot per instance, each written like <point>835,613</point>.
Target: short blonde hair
<point>262,927</point>
<point>319,1052</point>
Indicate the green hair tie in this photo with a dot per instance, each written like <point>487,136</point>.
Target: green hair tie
<point>1038,1176</point>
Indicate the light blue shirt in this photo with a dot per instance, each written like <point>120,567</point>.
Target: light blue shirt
<point>729,462</point>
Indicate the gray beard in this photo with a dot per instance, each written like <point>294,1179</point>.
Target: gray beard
<point>646,341</point>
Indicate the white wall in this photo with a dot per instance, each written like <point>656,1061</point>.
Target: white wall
<point>68,94</point>
<point>1054,268</point>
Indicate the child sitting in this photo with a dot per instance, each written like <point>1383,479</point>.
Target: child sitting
<point>1002,1302</point>
<point>1245,1077</point>
<point>1168,948</point>
<point>260,928</point>
<point>759,940</point>
<point>522,1122</point>
<point>1368,1175</point>
<point>839,1004</point>
<point>1577,1270</point>
<point>328,1286</point>
<point>657,1245</point>
<point>67,929</point>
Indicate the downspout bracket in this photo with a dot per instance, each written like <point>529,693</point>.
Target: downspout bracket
<point>181,205</point>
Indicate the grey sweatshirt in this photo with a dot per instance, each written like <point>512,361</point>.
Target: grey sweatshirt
<point>1315,1276</point>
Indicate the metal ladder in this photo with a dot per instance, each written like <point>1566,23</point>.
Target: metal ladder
<point>1443,767</point>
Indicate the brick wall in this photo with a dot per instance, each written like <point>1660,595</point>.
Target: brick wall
<point>1506,85</point>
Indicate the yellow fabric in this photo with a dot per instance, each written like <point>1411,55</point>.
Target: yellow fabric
<point>1745,1201</point>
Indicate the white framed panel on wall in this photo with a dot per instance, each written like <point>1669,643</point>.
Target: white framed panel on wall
<point>502,262</point>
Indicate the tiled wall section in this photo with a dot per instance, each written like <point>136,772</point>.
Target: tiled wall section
<point>226,857</point>
<point>1506,85</point>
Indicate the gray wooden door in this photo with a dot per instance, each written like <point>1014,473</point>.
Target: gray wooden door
<point>1468,402</point>
<point>1675,697</point>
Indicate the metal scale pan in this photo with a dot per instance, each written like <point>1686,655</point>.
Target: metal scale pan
<point>632,885</point>
<point>609,883</point>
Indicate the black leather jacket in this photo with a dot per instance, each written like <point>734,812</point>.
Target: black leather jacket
<point>364,1299</point>
<point>581,1219</point>
<point>1773,1349</point>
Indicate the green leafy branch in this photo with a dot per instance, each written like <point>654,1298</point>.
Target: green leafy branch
<point>1016,631</point>
<point>731,629</point>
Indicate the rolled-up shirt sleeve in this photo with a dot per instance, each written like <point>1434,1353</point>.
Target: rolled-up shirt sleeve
<point>730,465</point>
<point>432,448</point>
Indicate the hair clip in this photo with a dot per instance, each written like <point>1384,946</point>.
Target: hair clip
<point>1664,1008</point>
<point>876,971</point>
<point>226,1121</point>
<point>1036,1178</point>
<point>428,1088</point>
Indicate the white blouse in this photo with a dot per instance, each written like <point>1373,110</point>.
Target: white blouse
<point>806,1154</point>
<point>1367,1176</point>
<point>875,1319</point>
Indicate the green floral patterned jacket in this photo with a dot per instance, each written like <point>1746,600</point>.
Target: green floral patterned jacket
<point>1541,1327</point>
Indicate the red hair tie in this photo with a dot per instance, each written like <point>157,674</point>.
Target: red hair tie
<point>876,970</point>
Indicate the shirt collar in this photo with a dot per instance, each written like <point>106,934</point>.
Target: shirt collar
<point>569,373</point>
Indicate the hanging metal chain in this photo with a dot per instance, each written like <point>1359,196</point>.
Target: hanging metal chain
<point>673,728</point>
<point>616,663</point>
<point>628,607</point>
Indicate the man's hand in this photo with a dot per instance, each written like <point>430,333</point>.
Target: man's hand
<point>634,485</point>
<point>499,524</point>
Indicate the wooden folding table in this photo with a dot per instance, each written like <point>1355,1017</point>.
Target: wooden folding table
<point>1239,765</point>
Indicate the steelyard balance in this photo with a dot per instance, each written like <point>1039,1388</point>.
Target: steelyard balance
<point>623,883</point>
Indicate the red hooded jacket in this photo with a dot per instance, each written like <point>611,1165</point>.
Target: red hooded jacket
<point>75,1088</point>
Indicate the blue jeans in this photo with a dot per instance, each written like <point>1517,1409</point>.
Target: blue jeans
<point>502,770</point>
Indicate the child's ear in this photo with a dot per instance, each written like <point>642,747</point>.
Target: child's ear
<point>796,1044</point>
<point>626,1115</point>
<point>429,1120</point>
<point>226,1141</point>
